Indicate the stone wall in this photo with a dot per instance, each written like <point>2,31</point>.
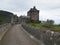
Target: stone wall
<point>46,36</point>
<point>3,29</point>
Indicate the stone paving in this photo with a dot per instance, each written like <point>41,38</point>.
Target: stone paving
<point>16,36</point>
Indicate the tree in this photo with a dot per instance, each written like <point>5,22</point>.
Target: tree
<point>50,22</point>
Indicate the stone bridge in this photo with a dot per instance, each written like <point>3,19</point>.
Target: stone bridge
<point>15,35</point>
<point>23,34</point>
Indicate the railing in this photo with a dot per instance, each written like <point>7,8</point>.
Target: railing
<point>46,36</point>
<point>3,29</point>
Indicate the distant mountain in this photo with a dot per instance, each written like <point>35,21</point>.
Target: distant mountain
<point>5,16</point>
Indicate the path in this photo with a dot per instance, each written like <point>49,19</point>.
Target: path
<point>16,36</point>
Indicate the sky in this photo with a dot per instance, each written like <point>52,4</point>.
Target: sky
<point>49,9</point>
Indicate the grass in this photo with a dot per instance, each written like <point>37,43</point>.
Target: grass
<point>35,24</point>
<point>55,28</point>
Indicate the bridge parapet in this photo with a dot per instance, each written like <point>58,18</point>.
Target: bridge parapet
<point>3,29</point>
<point>46,36</point>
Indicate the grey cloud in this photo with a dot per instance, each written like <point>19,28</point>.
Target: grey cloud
<point>49,8</point>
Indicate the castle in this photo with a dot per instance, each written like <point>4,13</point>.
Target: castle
<point>32,16</point>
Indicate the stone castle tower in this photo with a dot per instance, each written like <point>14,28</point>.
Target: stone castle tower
<point>34,14</point>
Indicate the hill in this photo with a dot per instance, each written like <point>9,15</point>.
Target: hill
<point>5,16</point>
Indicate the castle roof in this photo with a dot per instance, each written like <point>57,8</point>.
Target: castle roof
<point>33,9</point>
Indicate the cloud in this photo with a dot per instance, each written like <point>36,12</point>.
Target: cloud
<point>20,13</point>
<point>50,14</point>
<point>49,9</point>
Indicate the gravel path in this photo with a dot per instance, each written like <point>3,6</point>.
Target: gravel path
<point>16,36</point>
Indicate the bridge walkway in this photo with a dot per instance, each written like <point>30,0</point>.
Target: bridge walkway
<point>15,36</point>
